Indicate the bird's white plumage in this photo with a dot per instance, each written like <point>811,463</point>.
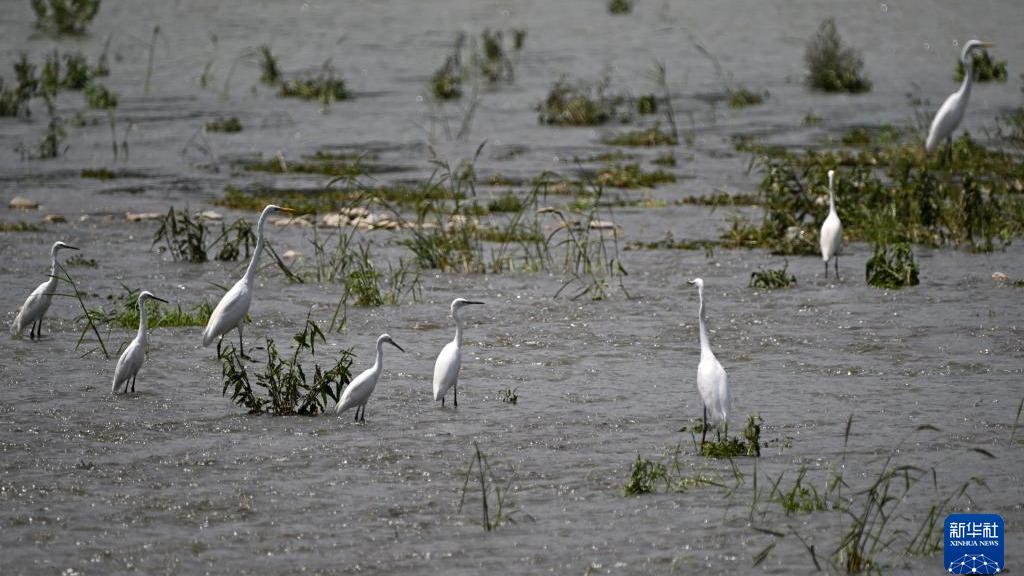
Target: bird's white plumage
<point>953,108</point>
<point>230,312</point>
<point>128,366</point>
<point>38,302</point>
<point>831,236</point>
<point>358,391</point>
<point>35,306</point>
<point>130,362</point>
<point>449,361</point>
<point>712,382</point>
<point>446,369</point>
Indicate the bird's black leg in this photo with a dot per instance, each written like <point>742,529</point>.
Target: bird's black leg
<point>826,269</point>
<point>32,332</point>
<point>704,430</point>
<point>241,347</point>
<point>357,414</point>
<point>39,329</point>
<point>133,383</point>
<point>219,341</point>
<point>362,415</point>
<point>442,401</point>
<point>837,267</point>
<point>949,150</point>
<point>456,387</point>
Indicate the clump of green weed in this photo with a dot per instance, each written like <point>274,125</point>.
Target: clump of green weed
<point>620,6</point>
<point>124,313</point>
<point>509,396</point>
<point>667,159</point>
<point>645,476</point>
<point>182,235</point>
<point>632,176</point>
<point>97,173</point>
<point>647,104</point>
<point>892,266</point>
<point>270,73</point>
<point>652,136</point>
<point>446,82</point>
<point>65,16</point>
<point>580,104</point>
<point>772,278</point>
<point>80,261</point>
<point>326,87</point>
<point>741,97</point>
<point>228,125</point>
<point>99,97</point>
<point>507,202</point>
<point>985,68</point>
<point>832,67</point>
<point>21,226</point>
<point>282,388</point>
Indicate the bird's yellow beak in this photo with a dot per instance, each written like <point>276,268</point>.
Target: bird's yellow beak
<point>283,209</point>
<point>987,44</point>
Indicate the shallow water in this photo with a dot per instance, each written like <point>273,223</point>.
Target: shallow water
<point>176,479</point>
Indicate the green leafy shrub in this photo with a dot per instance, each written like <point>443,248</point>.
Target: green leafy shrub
<point>985,68</point>
<point>892,266</point>
<point>772,279</point>
<point>832,67</point>
<point>97,96</point>
<point>581,104</point>
<point>282,388</point>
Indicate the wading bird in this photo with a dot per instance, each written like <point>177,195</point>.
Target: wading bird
<point>446,368</point>
<point>358,392</point>
<point>832,229</point>
<point>130,362</point>
<point>232,308</point>
<point>711,380</point>
<point>952,111</point>
<point>38,302</point>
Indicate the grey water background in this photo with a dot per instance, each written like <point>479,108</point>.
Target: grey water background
<point>176,479</point>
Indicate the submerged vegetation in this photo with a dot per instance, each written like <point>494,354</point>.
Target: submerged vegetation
<point>229,125</point>
<point>283,388</point>
<point>326,86</point>
<point>495,506</point>
<point>831,66</point>
<point>579,104</point>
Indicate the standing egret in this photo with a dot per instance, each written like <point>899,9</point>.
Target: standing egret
<point>38,302</point>
<point>952,111</point>
<point>446,368</point>
<point>232,308</point>
<point>358,392</point>
<point>130,362</point>
<point>832,229</point>
<point>711,379</point>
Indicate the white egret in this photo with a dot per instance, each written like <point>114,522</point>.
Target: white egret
<point>831,229</point>
<point>232,308</point>
<point>38,302</point>
<point>130,362</point>
<point>712,382</point>
<point>358,392</point>
<point>952,111</point>
<point>446,368</point>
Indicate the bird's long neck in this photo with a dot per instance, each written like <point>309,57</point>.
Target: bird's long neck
<point>831,200</point>
<point>458,328</point>
<point>52,282</point>
<point>705,345</point>
<point>968,81</point>
<point>250,272</point>
<point>143,335</point>
<point>378,364</point>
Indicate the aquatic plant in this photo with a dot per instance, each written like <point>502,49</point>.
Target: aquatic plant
<point>507,202</point>
<point>341,165</point>
<point>270,73</point>
<point>326,87</point>
<point>11,101</point>
<point>741,97</point>
<point>79,261</point>
<point>832,67</point>
<point>645,475</point>
<point>228,125</point>
<point>579,104</point>
<point>652,136</point>
<point>183,236</point>
<point>21,226</point>
<point>97,96</point>
<point>124,312</point>
<point>509,396</point>
<point>77,74</point>
<point>667,159</point>
<point>88,318</point>
<point>65,16</point>
<point>282,388</point>
<point>620,6</point>
<point>330,199</point>
<point>772,278</point>
<point>632,176</point>
<point>446,82</point>
<point>892,266</point>
<point>647,104</point>
<point>985,68</point>
<point>501,508</point>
